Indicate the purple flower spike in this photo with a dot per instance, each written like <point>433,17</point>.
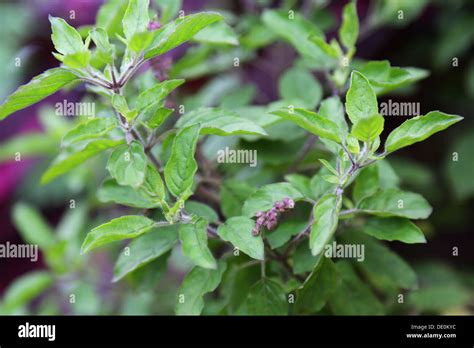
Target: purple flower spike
<point>269,219</point>
<point>270,225</point>
<point>153,25</point>
<point>280,206</point>
<point>272,214</point>
<point>289,203</point>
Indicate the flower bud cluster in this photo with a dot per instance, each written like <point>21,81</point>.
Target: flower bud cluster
<point>269,219</point>
<point>154,25</point>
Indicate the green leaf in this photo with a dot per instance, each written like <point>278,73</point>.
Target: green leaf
<point>303,260</point>
<point>110,191</point>
<point>381,265</point>
<point>439,298</point>
<point>296,30</point>
<point>386,12</point>
<point>140,41</point>
<point>298,86</point>
<point>333,179</point>
<point>219,122</point>
<point>267,297</point>
<point>90,129</point>
<point>264,198</point>
<point>153,185</point>
<point>110,16</point>
<point>181,30</point>
<point>317,288</point>
<point>300,182</point>
<point>195,285</point>
<point>127,164</point>
<point>233,194</point>
<point>284,231</point>
<point>193,237</point>
<point>238,231</point>
<point>78,60</point>
<point>361,101</point>
<point>236,285</point>
<point>32,227</point>
<point>71,225</point>
<point>168,9</point>
<point>332,109</point>
<point>368,128</point>
<point>319,186</point>
<point>200,61</point>
<point>202,210</point>
<point>385,78</point>
<point>149,276</point>
<point>353,296</point>
<point>353,144</point>
<point>257,36</point>
<point>105,51</point>
<point>145,249</point>
<point>394,228</point>
<point>388,177</point>
<point>25,289</point>
<point>67,161</point>
<point>312,122</point>
<point>393,202</point>
<point>329,167</point>
<point>154,116</point>
<point>366,183</point>
<point>124,227</point>
<point>88,300</point>
<point>37,89</point>
<point>325,215</point>
<point>349,30</point>
<point>135,19</point>
<point>418,129</point>
<point>328,49</point>
<point>217,33</point>
<point>120,104</point>
<point>156,93</point>
<point>240,99</point>
<point>181,166</point>
<point>65,38</point>
<point>30,144</point>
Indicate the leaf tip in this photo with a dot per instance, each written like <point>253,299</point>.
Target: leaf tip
<point>45,178</point>
<point>116,278</point>
<point>86,246</point>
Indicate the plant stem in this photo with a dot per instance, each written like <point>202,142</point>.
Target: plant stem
<point>348,212</point>
<point>96,82</point>
<point>131,70</point>
<point>349,155</point>
<point>212,232</point>
<point>248,264</point>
